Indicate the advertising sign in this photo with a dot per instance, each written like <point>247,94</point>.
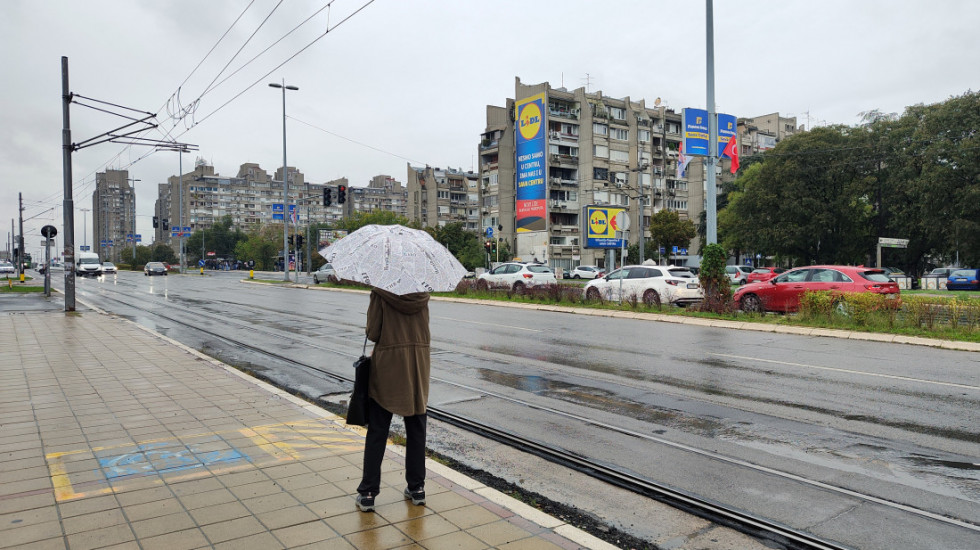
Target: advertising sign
<point>695,131</point>
<point>328,237</point>
<point>727,127</point>
<point>600,226</point>
<point>532,166</point>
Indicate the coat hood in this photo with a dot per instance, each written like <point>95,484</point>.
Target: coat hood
<point>406,303</point>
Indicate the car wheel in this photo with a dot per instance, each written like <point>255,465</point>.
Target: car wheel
<point>742,282</point>
<point>593,294</point>
<point>651,297</point>
<point>576,276</point>
<point>315,281</point>
<point>751,303</point>
<point>482,284</point>
<point>519,288</point>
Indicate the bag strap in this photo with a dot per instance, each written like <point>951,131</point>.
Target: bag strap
<point>364,349</point>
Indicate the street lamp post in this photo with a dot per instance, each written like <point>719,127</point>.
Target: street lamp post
<point>134,217</point>
<point>285,186</point>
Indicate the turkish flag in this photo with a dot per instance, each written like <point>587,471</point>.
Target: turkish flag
<point>732,151</point>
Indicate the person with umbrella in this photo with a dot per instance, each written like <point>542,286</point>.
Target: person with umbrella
<point>403,266</point>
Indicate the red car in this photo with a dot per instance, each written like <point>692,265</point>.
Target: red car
<point>783,292</point>
<point>761,274</point>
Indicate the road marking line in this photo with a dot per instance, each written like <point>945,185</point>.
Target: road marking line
<point>488,324</point>
<point>848,371</point>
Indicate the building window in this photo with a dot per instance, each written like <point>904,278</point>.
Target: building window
<point>442,194</point>
<point>617,113</point>
<point>619,133</point>
<point>644,136</point>
<point>600,174</point>
<point>619,156</point>
<point>600,129</point>
<point>601,151</point>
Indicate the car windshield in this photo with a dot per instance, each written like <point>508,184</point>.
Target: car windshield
<point>685,273</point>
<point>963,273</point>
<point>760,270</point>
<point>89,261</point>
<point>326,267</point>
<point>874,276</point>
<point>539,269</point>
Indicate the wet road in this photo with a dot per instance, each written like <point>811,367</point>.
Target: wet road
<point>870,444</point>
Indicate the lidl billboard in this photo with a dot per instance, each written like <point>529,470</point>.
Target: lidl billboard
<point>695,131</point>
<point>530,127</point>
<point>600,226</point>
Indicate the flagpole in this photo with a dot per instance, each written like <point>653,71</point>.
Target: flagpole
<point>711,218</point>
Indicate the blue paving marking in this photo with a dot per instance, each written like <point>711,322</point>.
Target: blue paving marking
<point>164,457</point>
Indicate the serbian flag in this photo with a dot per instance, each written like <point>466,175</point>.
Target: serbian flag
<point>731,151</point>
<point>682,161</point>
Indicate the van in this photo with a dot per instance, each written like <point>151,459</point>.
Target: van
<point>88,263</point>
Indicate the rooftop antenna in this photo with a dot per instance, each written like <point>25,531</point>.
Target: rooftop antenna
<point>588,82</point>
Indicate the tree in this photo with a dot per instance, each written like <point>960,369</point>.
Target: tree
<point>668,230</point>
<point>221,238</point>
<point>162,252</point>
<point>466,246</point>
<point>262,246</point>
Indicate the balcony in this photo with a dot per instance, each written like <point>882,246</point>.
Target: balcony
<point>564,159</point>
<point>563,112</point>
<point>484,145</point>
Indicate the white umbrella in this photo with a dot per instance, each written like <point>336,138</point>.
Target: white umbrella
<point>395,258</point>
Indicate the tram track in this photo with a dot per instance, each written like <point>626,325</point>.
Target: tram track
<point>751,524</point>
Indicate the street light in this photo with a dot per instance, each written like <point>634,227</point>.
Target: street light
<point>134,218</point>
<point>285,186</point>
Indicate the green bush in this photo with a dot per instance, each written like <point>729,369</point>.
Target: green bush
<point>714,281</point>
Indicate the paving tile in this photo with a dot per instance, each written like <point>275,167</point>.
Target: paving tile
<point>333,506</point>
<point>286,517</point>
<point>96,520</point>
<point>426,527</point>
<point>305,533</point>
<point>98,538</point>
<point>141,496</point>
<point>269,503</point>
<point>194,501</point>
<point>355,521</point>
<point>532,543</point>
<point>319,492</point>
<point>148,528</point>
<point>219,513</point>
<point>187,539</point>
<point>338,543</point>
<point>57,543</point>
<point>24,518</point>
<point>260,541</point>
<point>379,538</point>
<point>470,516</point>
<point>253,490</point>
<point>153,509</point>
<point>458,540</point>
<point>232,529</point>
<point>498,533</point>
<point>87,506</point>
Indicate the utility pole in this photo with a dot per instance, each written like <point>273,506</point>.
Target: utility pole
<point>20,212</point>
<point>711,217</point>
<point>68,205</point>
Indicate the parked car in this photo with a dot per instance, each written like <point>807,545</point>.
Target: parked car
<point>517,276</point>
<point>325,273</point>
<point>783,292</point>
<point>761,274</point>
<point>964,279</point>
<point>109,267</point>
<point>652,284</point>
<point>154,268</point>
<point>586,272</point>
<point>7,268</point>
<point>738,274</point>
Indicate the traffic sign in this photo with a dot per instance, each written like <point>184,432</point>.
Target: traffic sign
<point>489,232</point>
<point>84,248</point>
<point>139,238</point>
<point>675,250</point>
<point>200,263</point>
<point>893,243</point>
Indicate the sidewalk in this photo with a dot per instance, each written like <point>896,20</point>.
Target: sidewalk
<point>114,437</point>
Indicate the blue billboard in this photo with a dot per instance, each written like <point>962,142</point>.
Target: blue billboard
<point>600,226</point>
<point>695,133</point>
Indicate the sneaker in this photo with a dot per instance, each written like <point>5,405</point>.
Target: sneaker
<point>417,497</point>
<point>365,503</point>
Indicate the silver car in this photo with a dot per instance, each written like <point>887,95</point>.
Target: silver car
<point>517,276</point>
<point>651,284</point>
<point>324,274</point>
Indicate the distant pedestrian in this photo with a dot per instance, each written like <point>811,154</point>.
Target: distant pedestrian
<point>399,384</point>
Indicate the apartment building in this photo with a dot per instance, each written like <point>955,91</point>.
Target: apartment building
<point>114,214</point>
<point>761,133</point>
<point>438,196</point>
<point>382,193</point>
<point>252,198</point>
<point>600,151</point>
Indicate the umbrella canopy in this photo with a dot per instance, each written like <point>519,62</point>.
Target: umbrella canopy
<point>395,258</point>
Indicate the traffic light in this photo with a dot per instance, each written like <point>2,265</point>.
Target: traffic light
<point>166,224</point>
<point>299,241</point>
<point>290,240</point>
<point>341,194</point>
<point>327,196</point>
<point>156,222</point>
<point>487,245</point>
<point>493,247</point>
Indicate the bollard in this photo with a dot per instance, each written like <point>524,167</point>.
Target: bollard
<point>202,271</point>
<point>251,273</point>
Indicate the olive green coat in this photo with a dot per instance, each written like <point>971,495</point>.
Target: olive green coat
<point>399,327</point>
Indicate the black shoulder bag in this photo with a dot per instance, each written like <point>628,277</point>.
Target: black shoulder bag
<point>357,408</point>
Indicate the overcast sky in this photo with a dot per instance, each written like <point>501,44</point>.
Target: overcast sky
<point>408,81</point>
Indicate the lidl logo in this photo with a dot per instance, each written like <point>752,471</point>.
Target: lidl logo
<point>529,122</point>
<point>598,223</point>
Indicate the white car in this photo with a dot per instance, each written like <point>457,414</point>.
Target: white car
<point>7,267</point>
<point>324,274</point>
<point>109,267</point>
<point>738,274</point>
<point>651,284</point>
<point>586,272</point>
<point>517,276</point>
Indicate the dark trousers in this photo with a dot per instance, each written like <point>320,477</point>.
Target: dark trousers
<point>379,422</point>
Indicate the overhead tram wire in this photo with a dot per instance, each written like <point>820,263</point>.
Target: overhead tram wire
<point>198,66</point>
<point>353,140</point>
